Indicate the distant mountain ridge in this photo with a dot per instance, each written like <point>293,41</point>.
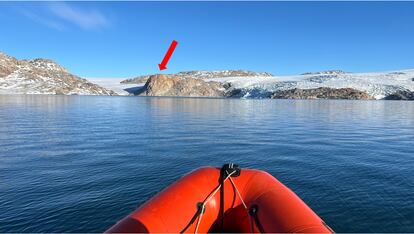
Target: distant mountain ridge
<point>201,75</point>
<point>328,72</point>
<point>42,76</point>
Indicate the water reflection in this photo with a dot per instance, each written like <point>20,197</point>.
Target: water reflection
<point>70,158</point>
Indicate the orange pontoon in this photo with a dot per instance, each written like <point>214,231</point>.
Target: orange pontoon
<point>224,200</point>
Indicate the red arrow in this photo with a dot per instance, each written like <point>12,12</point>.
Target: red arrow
<point>167,56</point>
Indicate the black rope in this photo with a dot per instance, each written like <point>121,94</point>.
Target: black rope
<point>200,209</point>
<point>226,170</point>
<point>222,176</point>
<point>198,212</point>
<point>253,212</point>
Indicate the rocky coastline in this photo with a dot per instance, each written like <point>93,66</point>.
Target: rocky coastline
<point>175,86</point>
<point>44,76</point>
<point>322,93</point>
<point>405,95</point>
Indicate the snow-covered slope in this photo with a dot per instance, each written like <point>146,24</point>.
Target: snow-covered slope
<point>42,76</point>
<point>378,84</point>
<point>116,85</point>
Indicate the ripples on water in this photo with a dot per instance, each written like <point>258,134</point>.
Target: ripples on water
<point>79,164</point>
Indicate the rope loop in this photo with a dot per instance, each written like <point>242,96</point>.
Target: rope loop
<point>203,204</point>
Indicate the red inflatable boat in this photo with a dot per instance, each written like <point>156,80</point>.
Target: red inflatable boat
<point>224,200</point>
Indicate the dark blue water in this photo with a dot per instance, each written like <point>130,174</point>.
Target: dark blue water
<point>79,164</point>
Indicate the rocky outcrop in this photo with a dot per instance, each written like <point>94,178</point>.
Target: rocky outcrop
<point>42,76</point>
<point>396,73</point>
<point>139,79</point>
<point>329,72</point>
<point>322,93</point>
<point>401,95</point>
<point>8,64</point>
<point>161,85</point>
<point>201,75</point>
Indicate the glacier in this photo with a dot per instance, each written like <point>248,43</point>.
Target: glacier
<point>377,84</point>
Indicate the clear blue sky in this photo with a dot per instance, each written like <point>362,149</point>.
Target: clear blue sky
<point>124,39</point>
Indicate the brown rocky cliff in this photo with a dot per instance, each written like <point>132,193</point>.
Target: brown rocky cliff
<point>161,85</point>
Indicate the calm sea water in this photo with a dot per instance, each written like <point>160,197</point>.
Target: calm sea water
<point>79,164</point>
